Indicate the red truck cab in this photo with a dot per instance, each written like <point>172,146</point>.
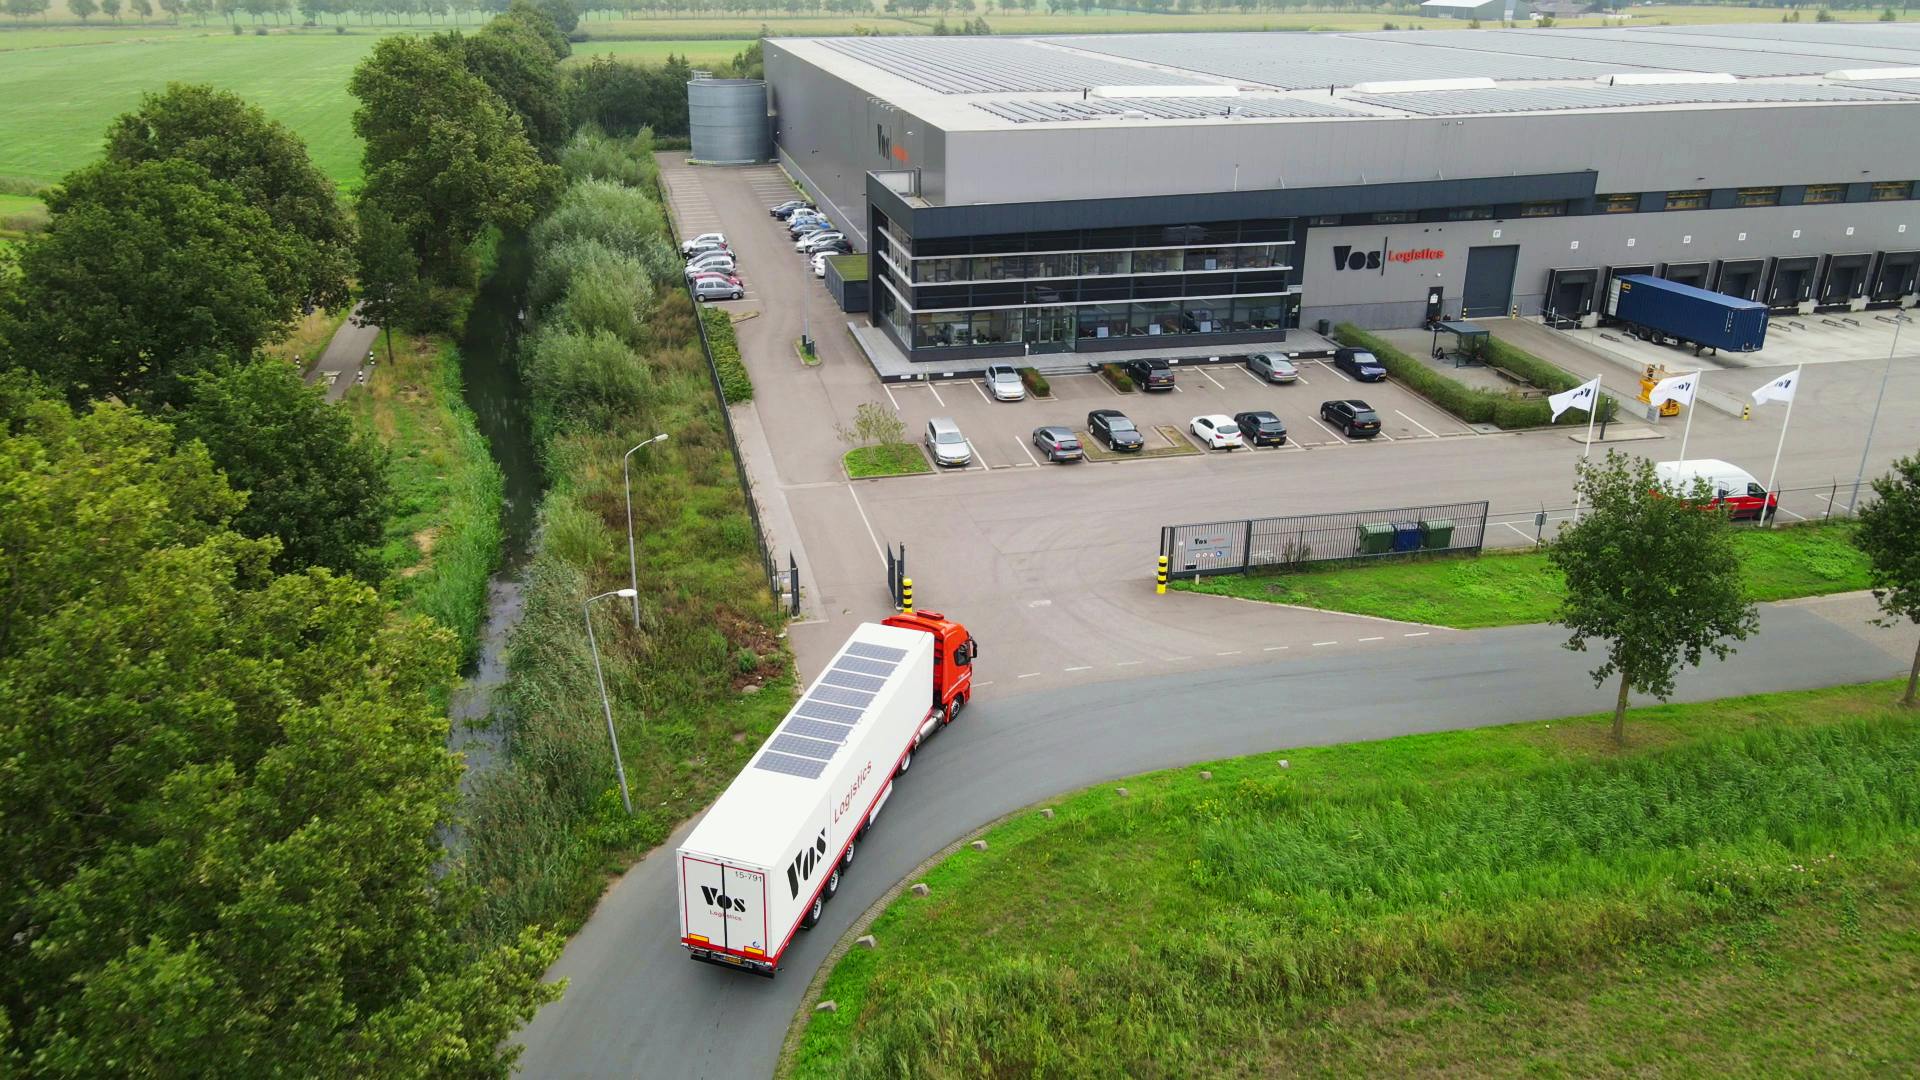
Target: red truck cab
<point>953,655</point>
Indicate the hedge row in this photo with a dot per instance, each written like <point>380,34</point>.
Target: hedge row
<point>726,356</point>
<point>1118,376</point>
<point>1474,405</point>
<point>1036,383</point>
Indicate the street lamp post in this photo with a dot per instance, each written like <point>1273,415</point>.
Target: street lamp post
<point>1853,501</point>
<point>593,645</point>
<point>633,561</point>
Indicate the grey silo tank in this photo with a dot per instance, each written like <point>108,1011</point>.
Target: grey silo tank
<point>727,120</point>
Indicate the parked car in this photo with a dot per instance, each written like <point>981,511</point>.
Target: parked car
<point>1216,431</point>
<point>842,246</point>
<point>706,247</point>
<point>802,214</point>
<point>1112,427</point>
<point>1730,486</point>
<point>808,224</point>
<point>820,264</point>
<point>717,288</point>
<point>1058,443</point>
<point>1003,382</point>
<point>717,275</point>
<point>687,247</point>
<point>1353,416</point>
<point>787,208</point>
<point>718,262</point>
<point>1261,428</point>
<point>1360,364</point>
<point>812,243</point>
<point>1151,373</point>
<point>1272,368</point>
<point>946,444</point>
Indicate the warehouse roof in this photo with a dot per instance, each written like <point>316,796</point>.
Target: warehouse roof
<point>972,83</point>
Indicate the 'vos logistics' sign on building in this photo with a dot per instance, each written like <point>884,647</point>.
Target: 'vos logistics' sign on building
<point>1345,257</point>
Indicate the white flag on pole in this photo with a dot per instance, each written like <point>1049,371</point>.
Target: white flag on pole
<point>1678,388</point>
<point>1583,396</point>
<point>1780,389</point>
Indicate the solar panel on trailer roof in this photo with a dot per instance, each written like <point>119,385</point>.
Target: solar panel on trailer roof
<point>843,677</point>
<point>876,652</point>
<point>787,764</point>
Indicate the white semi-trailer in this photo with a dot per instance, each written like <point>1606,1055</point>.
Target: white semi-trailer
<point>768,856</point>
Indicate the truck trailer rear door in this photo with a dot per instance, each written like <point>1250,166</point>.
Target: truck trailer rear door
<point>724,906</point>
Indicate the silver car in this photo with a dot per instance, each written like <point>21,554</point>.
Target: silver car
<point>716,288</point>
<point>1003,382</point>
<point>1272,368</point>
<point>945,442</point>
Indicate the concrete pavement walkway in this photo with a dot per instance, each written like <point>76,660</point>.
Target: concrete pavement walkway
<point>340,365</point>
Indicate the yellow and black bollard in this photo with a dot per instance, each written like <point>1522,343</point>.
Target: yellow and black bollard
<point>906,595</point>
<point>1160,581</point>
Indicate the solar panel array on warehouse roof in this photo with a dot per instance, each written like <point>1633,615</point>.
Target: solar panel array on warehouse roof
<point>1553,98</point>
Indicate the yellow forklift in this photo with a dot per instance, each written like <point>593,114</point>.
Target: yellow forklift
<point>1648,380</point>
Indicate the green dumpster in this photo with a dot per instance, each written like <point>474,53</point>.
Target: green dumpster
<point>1376,539</point>
<point>1438,533</point>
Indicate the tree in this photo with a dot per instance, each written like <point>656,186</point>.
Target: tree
<point>142,8</point>
<point>83,9</point>
<point>111,8</point>
<point>517,64</point>
<point>391,292</point>
<point>20,9</point>
<point>147,273</point>
<point>444,156</point>
<point>873,425</point>
<point>222,788</point>
<point>1890,535</point>
<point>311,480</point>
<point>560,12</point>
<point>1653,573</point>
<point>237,143</point>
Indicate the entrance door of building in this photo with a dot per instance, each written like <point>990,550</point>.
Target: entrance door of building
<point>1741,278</point>
<point>1846,279</point>
<point>1489,288</point>
<point>1792,281</point>
<point>1570,294</point>
<point>1049,330</point>
<point>1693,273</point>
<point>1898,276</point>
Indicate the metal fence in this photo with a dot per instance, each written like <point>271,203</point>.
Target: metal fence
<point>1800,503</point>
<point>1234,547</point>
<point>768,566</point>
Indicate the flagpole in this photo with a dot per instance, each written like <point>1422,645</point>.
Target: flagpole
<point>1592,409</point>
<point>1782,445</point>
<point>1692,399</point>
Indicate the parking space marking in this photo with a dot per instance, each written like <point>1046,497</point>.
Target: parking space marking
<point>1416,423</point>
<point>1790,514</point>
<point>1519,530</point>
<point>974,458</point>
<point>890,397</point>
<point>1303,380</point>
<point>1384,435</point>
<point>936,395</point>
<point>982,391</point>
<point>877,549</point>
<point>1249,374</point>
<point>1328,430</point>
<point>1022,444</point>
<point>1211,379</point>
<point>1336,371</point>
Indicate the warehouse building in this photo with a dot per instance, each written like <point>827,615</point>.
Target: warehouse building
<point>1491,10</point>
<point>1098,193</point>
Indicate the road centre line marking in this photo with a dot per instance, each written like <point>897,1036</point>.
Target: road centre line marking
<point>1129,663</point>
<point>1022,444</point>
<point>1083,667</point>
<point>1418,633</point>
<point>1273,648</point>
<point>936,395</point>
<point>1317,644</point>
<point>877,549</point>
<point>989,682</point>
<point>1028,675</point>
<point>1234,652</point>
<point>1373,639</point>
<point>1177,659</point>
<point>1211,379</point>
<point>1416,423</point>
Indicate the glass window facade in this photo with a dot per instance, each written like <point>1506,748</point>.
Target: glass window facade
<point>1888,190</point>
<point>1625,203</point>
<point>1824,193</point>
<point>1686,200</point>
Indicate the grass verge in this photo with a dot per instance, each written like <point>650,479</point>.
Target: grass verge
<point>888,459</point>
<point>734,380</point>
<point>1508,588</point>
<point>443,538</point>
<point>1230,925</point>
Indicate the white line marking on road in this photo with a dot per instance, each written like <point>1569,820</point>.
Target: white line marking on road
<point>1365,639</point>
<point>1211,379</point>
<point>877,549</point>
<point>1416,423</point>
<point>1231,652</point>
<point>1274,648</point>
<point>1317,644</point>
<point>982,391</point>
<point>1176,387</point>
<point>1418,633</point>
<point>1384,435</point>
<point>1517,529</point>
<point>1083,667</point>
<point>1790,514</point>
<point>1177,659</point>
<point>974,458</point>
<point>1335,370</point>
<point>936,395</point>
<point>1022,444</point>
<point>1328,430</point>
<point>1129,663</point>
<point>1028,675</point>
<point>1303,380</point>
<point>890,397</point>
<point>1249,374</point>
<point>989,682</point>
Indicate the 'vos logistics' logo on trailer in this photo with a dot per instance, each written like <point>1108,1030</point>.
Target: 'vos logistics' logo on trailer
<point>1345,258</point>
<point>717,898</point>
<point>805,863</point>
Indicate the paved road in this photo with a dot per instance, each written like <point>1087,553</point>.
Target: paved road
<point>339,367</point>
<point>636,1006</point>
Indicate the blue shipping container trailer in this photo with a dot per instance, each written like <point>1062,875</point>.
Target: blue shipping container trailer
<point>1657,309</point>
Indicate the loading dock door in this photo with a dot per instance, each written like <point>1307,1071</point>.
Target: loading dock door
<point>1570,293</point>
<point>1615,273</point>
<point>1693,273</point>
<point>1489,288</point>
<point>1846,278</point>
<point>1898,276</point>
<point>1792,281</point>
<point>1741,278</point>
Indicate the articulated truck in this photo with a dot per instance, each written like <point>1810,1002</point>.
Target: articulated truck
<point>1659,310</point>
<point>763,863</point>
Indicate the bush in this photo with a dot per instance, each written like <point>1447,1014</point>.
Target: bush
<point>606,302</point>
<point>580,377</point>
<point>1118,376</point>
<point>1472,404</point>
<point>592,155</point>
<point>1035,382</point>
<point>620,217</point>
<point>734,381</point>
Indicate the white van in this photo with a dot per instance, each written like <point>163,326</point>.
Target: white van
<point>1730,485</point>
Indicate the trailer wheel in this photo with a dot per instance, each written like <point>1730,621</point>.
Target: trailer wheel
<point>833,883</point>
<point>846,861</point>
<point>813,914</point>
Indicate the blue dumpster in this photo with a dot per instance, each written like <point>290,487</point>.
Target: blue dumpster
<point>1408,536</point>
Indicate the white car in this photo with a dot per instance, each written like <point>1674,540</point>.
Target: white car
<point>705,257</point>
<point>703,239</point>
<point>710,266</point>
<point>818,239</point>
<point>820,265</point>
<point>1216,431</point>
<point>1003,382</point>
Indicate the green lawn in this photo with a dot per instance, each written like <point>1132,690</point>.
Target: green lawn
<point>700,54</point>
<point>1507,588</point>
<point>1734,895</point>
<point>894,459</point>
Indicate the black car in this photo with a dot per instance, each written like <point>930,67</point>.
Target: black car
<point>786,209</point>
<point>1261,428</point>
<point>833,247</point>
<point>1151,373</point>
<point>1360,364</point>
<point>1353,416</point>
<point>1112,427</point>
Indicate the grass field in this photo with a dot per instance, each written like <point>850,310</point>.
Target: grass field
<point>699,53</point>
<point>897,459</point>
<point>1504,589</point>
<point>1733,896</point>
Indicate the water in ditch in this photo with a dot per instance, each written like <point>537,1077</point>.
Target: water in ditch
<point>498,399</point>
